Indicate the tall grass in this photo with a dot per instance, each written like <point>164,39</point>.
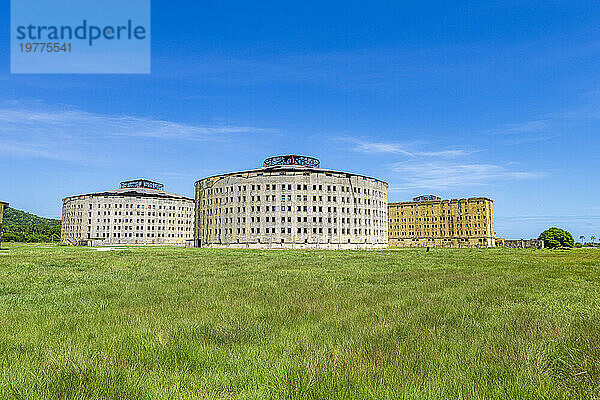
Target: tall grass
<point>171,323</point>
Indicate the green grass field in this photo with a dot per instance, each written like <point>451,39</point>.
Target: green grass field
<point>170,323</point>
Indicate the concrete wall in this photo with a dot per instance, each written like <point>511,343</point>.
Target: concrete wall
<point>521,243</point>
<point>291,209</point>
<point>442,223</point>
<point>111,220</point>
<point>452,243</point>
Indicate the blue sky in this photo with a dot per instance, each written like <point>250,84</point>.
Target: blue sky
<point>456,99</point>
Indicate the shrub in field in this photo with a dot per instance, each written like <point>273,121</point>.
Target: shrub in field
<point>555,237</point>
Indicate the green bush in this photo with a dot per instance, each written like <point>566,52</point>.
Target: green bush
<point>555,238</point>
<point>11,237</point>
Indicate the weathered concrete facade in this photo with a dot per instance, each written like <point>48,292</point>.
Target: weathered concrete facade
<point>520,243</point>
<point>291,206</point>
<point>3,205</point>
<point>442,223</point>
<point>128,216</point>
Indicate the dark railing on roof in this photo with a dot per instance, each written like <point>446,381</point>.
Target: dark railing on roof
<point>428,197</point>
<point>142,183</point>
<point>292,159</point>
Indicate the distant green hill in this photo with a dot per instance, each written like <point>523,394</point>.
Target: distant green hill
<point>17,217</point>
<point>20,226</point>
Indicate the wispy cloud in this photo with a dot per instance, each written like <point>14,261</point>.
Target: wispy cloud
<point>441,169</point>
<point>548,126</point>
<point>366,146</point>
<point>23,149</point>
<point>536,130</point>
<point>552,124</point>
<point>69,134</point>
<point>68,120</point>
<point>442,175</point>
<point>444,153</point>
<point>537,125</point>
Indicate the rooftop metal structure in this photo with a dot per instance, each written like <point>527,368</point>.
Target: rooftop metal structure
<point>292,159</point>
<point>142,183</point>
<point>427,197</point>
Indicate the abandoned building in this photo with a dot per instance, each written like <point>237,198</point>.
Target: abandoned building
<point>291,202</point>
<point>429,221</point>
<point>140,212</point>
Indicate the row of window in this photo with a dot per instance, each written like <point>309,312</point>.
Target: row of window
<point>131,206</point>
<point>395,209</point>
<point>450,219</point>
<point>288,187</point>
<point>288,198</point>
<point>456,226</point>
<point>252,209</point>
<point>140,235</point>
<point>71,224</point>
<point>153,213</point>
<point>334,231</point>
<point>437,233</point>
<point>142,220</point>
<point>242,220</point>
<point>138,228</point>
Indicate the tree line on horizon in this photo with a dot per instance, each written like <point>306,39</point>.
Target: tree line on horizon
<point>20,226</point>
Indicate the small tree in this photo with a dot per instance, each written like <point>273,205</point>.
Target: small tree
<point>555,237</point>
<point>593,239</point>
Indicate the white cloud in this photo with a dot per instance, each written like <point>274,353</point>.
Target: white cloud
<point>29,150</point>
<point>522,127</point>
<point>365,146</point>
<point>439,169</point>
<point>73,135</point>
<point>527,131</point>
<point>444,153</point>
<point>442,175</point>
<point>69,120</point>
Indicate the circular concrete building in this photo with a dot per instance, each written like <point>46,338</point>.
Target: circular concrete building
<point>139,213</point>
<point>291,203</point>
